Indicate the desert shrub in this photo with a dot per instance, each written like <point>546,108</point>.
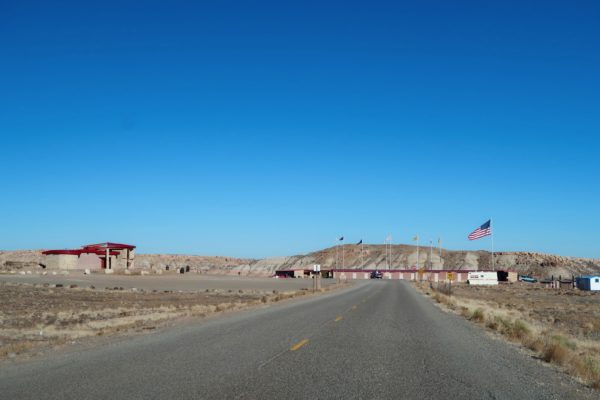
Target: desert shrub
<point>519,329</point>
<point>492,324</point>
<point>535,343</point>
<point>223,307</point>
<point>565,342</point>
<point>590,371</point>
<point>503,325</point>
<point>555,352</point>
<point>477,315</point>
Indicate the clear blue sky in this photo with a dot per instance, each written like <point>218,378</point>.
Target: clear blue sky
<point>257,129</point>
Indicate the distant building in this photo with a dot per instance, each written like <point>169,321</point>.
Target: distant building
<point>483,278</point>
<point>591,282</point>
<point>102,256</point>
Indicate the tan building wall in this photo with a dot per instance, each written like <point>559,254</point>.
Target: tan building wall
<point>91,261</point>
<point>60,261</point>
<point>120,261</point>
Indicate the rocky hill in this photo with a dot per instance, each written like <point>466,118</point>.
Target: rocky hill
<point>354,257</point>
<point>405,257</point>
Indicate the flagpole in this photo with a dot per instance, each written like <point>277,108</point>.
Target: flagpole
<point>337,241</point>
<point>362,260</point>
<point>343,254</point>
<point>390,263</point>
<point>492,229</point>
<point>431,254</point>
<point>387,260</point>
<point>417,251</point>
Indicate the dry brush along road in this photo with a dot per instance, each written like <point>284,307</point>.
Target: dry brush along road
<point>378,339</point>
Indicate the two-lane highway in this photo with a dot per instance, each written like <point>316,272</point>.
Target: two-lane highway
<point>379,340</point>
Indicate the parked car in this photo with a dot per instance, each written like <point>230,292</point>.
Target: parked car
<point>528,279</point>
<point>376,275</point>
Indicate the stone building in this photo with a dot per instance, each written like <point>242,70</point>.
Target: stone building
<point>102,256</point>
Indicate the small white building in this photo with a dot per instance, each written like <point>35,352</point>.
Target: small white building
<point>591,282</point>
<point>482,278</point>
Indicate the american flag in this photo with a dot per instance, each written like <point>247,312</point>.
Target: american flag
<point>483,230</point>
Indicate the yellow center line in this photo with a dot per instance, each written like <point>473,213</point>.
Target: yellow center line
<point>338,318</point>
<point>298,345</point>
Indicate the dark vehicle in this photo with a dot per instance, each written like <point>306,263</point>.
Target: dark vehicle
<point>376,275</point>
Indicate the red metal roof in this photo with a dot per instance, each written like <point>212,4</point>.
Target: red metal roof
<point>79,252</point>
<point>110,245</point>
<point>73,252</point>
<point>99,249</point>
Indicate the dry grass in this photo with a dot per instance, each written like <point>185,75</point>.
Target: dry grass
<point>537,325</point>
<point>477,315</point>
<point>35,318</point>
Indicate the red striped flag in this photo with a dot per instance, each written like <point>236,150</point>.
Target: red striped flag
<point>483,230</point>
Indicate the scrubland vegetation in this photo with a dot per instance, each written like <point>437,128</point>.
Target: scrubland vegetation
<point>561,327</point>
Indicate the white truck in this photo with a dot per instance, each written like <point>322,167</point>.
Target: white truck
<point>482,278</point>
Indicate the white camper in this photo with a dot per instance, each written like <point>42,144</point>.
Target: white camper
<point>482,278</point>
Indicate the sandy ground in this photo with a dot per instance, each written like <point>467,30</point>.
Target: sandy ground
<point>41,313</point>
<point>184,282</point>
<point>574,312</point>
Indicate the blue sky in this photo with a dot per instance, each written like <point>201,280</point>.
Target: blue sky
<point>255,129</point>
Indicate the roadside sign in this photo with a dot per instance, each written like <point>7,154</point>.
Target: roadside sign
<point>451,276</point>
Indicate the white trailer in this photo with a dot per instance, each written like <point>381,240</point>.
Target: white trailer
<point>482,278</point>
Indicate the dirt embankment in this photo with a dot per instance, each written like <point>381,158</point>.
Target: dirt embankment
<point>207,264</point>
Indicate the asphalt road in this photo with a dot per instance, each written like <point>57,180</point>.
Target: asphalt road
<point>184,282</point>
<point>377,340</point>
